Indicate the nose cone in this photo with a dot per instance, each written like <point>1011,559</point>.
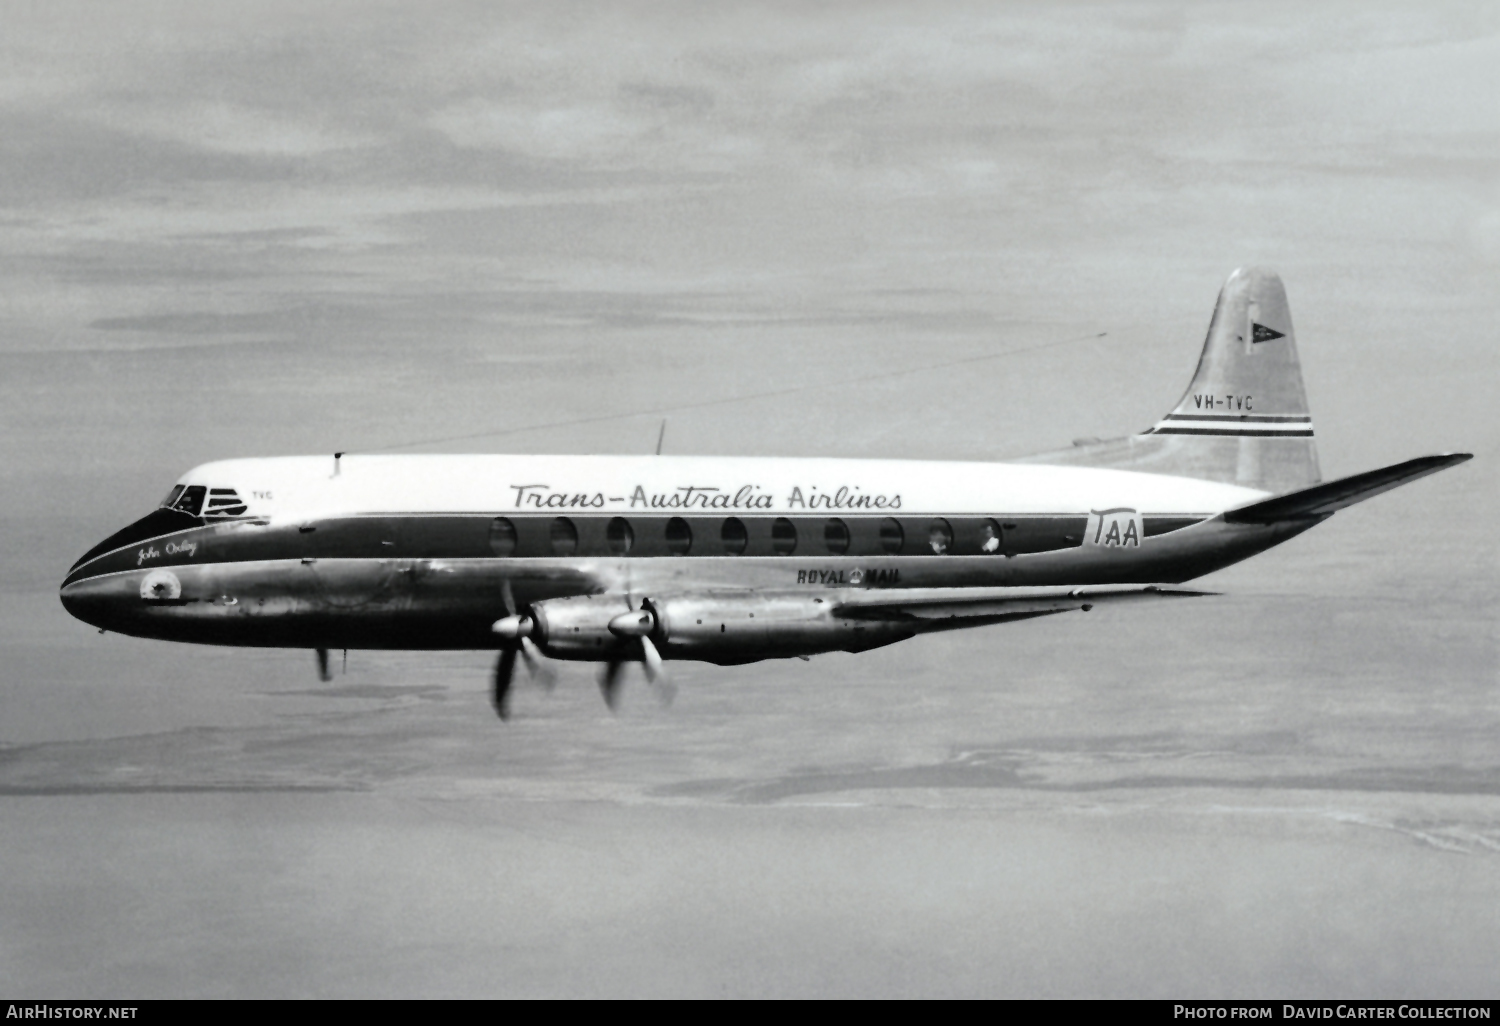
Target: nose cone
<point>89,601</point>
<point>120,601</point>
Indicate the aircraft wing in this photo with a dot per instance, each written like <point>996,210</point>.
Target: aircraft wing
<point>1324,499</point>
<point>937,608</point>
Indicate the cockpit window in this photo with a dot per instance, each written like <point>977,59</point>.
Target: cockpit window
<point>224,502</point>
<point>191,499</point>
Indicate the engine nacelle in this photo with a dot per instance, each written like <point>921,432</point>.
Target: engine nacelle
<point>578,627</point>
<point>743,627</point>
<point>715,627</point>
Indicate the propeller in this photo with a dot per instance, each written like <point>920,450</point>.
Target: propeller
<point>515,630</point>
<point>610,681</point>
<point>639,624</point>
<point>505,666</point>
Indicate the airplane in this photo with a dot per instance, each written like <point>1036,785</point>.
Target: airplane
<point>649,559</point>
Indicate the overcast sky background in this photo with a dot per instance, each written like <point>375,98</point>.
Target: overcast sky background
<point>406,222</point>
<point>258,229</point>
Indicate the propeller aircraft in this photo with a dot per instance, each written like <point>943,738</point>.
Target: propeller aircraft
<point>651,559</point>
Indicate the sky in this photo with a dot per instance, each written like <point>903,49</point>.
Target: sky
<point>946,231</point>
<point>381,203</point>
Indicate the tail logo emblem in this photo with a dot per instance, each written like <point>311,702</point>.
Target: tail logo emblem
<point>1261,333</point>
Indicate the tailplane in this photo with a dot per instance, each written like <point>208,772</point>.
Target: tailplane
<point>1325,499</point>
<point>1244,419</point>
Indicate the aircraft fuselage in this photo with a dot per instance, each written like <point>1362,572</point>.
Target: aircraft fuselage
<point>417,552</point>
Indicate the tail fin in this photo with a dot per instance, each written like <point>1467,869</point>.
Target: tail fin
<point>1244,419</point>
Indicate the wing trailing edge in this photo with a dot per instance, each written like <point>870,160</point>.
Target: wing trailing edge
<point>966,605</point>
<point>1324,499</point>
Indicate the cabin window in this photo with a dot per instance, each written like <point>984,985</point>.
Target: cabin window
<point>224,502</point>
<point>619,536</point>
<point>990,538</point>
<point>940,537</point>
<point>502,537</point>
<point>892,538</point>
<point>734,536</point>
<point>836,536</point>
<point>783,536</point>
<point>172,496</point>
<point>564,537</point>
<point>191,499</point>
<point>679,537</point>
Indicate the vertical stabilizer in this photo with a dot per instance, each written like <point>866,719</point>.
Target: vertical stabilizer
<point>1244,419</point>
<point>1249,381</point>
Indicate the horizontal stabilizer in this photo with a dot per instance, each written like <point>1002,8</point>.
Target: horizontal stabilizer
<point>1321,500</point>
<point>933,604</point>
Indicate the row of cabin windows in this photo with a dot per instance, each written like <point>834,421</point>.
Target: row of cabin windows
<point>734,538</point>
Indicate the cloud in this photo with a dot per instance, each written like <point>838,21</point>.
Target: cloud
<point>579,131</point>
<point>224,127</point>
<point>707,143</point>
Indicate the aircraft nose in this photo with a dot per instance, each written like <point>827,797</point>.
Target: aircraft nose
<point>90,601</point>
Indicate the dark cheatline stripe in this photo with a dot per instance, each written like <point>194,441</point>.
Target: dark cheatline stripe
<point>153,525</point>
<point>1231,432</point>
<point>1156,526</point>
<point>1250,418</point>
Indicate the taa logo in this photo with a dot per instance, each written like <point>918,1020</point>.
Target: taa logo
<point>1114,529</point>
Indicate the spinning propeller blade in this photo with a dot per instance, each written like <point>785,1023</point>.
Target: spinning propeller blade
<point>505,669</point>
<point>540,671</point>
<point>656,673</point>
<point>610,681</point>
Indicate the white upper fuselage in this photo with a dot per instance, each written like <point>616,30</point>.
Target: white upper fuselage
<point>315,486</point>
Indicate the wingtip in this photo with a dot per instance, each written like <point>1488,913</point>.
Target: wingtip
<point>1443,460</point>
